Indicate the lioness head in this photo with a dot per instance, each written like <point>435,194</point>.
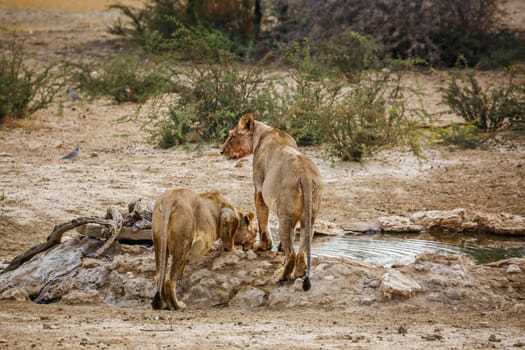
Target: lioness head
<point>237,228</point>
<point>239,143</point>
<point>247,231</point>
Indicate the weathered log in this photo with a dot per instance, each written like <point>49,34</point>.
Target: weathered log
<point>54,239</point>
<point>126,233</point>
<point>135,224</point>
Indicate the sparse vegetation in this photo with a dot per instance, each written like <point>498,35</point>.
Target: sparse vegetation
<point>211,98</point>
<point>351,121</point>
<point>489,108</point>
<point>315,106</point>
<point>166,25</point>
<point>24,90</point>
<point>125,78</point>
<point>463,136</point>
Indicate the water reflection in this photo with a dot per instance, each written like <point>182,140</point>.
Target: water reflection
<point>389,250</point>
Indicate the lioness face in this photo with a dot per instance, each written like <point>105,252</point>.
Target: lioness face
<point>239,143</point>
<point>247,232</point>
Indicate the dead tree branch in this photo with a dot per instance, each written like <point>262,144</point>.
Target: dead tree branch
<point>109,228</point>
<point>114,229</point>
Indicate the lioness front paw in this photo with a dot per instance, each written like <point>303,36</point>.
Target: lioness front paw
<point>263,245</point>
<point>179,305</point>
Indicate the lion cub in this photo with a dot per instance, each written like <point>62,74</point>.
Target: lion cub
<point>286,182</point>
<point>185,224</point>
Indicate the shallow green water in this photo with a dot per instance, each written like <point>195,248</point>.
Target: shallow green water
<point>389,250</point>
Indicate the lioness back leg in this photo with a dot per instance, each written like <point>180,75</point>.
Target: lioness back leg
<point>286,235</point>
<point>262,211</point>
<point>181,239</point>
<point>300,260</point>
<point>178,263</point>
<point>159,300</point>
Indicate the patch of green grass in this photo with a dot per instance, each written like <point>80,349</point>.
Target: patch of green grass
<point>465,136</point>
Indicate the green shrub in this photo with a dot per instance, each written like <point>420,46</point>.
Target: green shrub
<point>166,25</point>
<point>351,121</point>
<point>370,117</point>
<point>462,136</point>
<point>125,78</point>
<point>211,99</point>
<point>23,90</point>
<point>489,109</point>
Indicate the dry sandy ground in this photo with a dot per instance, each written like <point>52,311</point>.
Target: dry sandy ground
<point>38,190</point>
<point>58,326</point>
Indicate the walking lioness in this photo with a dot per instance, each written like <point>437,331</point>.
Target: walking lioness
<point>186,224</point>
<point>286,182</point>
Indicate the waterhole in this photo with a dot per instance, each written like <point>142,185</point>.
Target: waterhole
<point>393,249</point>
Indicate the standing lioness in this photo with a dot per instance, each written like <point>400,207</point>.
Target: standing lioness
<point>186,224</point>
<point>286,182</point>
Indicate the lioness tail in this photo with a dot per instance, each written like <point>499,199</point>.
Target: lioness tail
<point>307,188</point>
<point>163,257</point>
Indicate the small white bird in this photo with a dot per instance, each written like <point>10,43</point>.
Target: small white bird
<point>72,94</point>
<point>73,154</point>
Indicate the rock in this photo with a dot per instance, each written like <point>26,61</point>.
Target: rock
<point>398,224</point>
<point>200,274</point>
<point>395,285</point>
<point>512,268</point>
<point>251,255</point>
<point>362,227</point>
<point>449,220</point>
<point>16,294</point>
<point>432,336</point>
<point>502,223</point>
<point>367,300</point>
<point>249,297</point>
<point>454,293</point>
<point>224,260</point>
<point>82,297</point>
<point>494,339</point>
<point>458,219</point>
<point>340,269</point>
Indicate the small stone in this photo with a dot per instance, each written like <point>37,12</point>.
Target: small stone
<point>433,336</point>
<point>367,300</point>
<point>251,255</point>
<point>248,297</point>
<point>16,294</point>
<point>513,268</point>
<point>394,284</point>
<point>493,338</point>
<point>374,284</point>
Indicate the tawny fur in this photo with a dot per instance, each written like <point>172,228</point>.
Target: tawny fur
<point>185,225</point>
<point>286,182</point>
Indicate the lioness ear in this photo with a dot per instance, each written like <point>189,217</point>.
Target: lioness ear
<point>246,123</point>
<point>248,218</point>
